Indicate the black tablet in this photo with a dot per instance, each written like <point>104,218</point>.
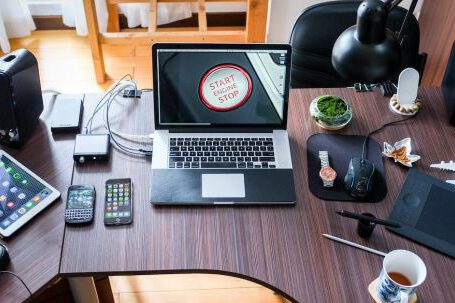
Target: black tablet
<point>426,210</point>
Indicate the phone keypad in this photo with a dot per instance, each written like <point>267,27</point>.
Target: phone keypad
<point>79,214</point>
<point>118,201</point>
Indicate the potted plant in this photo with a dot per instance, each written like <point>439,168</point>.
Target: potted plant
<point>330,112</point>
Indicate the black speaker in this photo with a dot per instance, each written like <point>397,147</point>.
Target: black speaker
<point>21,100</point>
<point>448,86</point>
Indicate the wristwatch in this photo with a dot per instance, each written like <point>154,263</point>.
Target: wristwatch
<point>327,174</point>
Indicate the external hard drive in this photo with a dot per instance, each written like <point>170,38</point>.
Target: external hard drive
<point>91,148</point>
<point>67,116</point>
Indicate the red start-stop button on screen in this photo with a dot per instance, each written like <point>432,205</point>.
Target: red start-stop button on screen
<point>225,87</point>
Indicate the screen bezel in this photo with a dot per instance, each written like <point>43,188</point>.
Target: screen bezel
<point>35,210</point>
<point>221,127</point>
<point>123,220</point>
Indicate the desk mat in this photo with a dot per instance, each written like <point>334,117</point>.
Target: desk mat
<point>341,149</point>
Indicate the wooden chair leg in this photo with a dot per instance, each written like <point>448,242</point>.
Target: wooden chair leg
<point>93,37</point>
<point>202,16</point>
<point>113,23</point>
<point>256,20</point>
<point>153,15</point>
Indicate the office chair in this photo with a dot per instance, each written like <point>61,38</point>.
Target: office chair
<point>316,31</point>
<point>448,86</point>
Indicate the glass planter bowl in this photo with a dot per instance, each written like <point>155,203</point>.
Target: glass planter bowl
<point>330,122</point>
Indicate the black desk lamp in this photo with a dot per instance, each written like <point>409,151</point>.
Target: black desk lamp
<point>368,52</point>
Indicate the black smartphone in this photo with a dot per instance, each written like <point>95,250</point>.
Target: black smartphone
<point>80,204</point>
<point>118,206</point>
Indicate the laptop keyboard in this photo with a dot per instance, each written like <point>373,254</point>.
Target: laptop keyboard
<point>245,153</point>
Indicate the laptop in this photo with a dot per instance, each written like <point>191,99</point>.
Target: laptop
<point>220,124</point>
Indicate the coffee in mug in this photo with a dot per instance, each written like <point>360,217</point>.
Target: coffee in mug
<point>402,272</point>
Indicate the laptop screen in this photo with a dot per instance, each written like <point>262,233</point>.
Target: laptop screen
<point>221,87</point>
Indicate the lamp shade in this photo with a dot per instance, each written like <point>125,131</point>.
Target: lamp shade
<point>367,52</point>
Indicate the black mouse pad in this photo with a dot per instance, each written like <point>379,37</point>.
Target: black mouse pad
<point>341,149</point>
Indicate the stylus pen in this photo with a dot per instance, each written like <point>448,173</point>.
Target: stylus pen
<point>371,250</point>
<point>387,223</point>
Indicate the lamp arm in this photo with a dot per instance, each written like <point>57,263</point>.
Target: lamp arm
<point>406,19</point>
<point>391,4</point>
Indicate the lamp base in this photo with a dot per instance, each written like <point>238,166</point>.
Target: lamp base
<point>405,110</point>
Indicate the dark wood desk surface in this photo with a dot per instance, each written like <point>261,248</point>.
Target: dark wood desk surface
<point>35,249</point>
<point>280,247</point>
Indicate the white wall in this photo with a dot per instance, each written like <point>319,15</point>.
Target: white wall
<point>283,13</point>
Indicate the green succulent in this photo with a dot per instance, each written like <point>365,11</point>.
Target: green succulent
<point>332,106</point>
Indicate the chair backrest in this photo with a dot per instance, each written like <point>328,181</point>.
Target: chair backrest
<point>316,31</point>
<point>448,86</point>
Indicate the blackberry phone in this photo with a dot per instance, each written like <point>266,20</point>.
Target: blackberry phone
<point>80,204</point>
<point>118,206</point>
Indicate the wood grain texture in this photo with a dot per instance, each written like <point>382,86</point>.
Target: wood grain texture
<point>35,248</point>
<point>437,31</point>
<point>279,247</point>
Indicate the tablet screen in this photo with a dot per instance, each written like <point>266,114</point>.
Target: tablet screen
<point>19,192</point>
<point>438,216</point>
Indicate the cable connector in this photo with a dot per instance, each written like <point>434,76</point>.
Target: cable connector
<point>132,93</point>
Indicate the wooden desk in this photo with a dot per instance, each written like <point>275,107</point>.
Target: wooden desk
<point>279,247</point>
<point>35,249</point>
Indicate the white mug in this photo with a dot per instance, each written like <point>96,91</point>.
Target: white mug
<point>407,264</point>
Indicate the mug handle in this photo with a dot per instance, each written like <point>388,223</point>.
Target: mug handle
<point>404,297</point>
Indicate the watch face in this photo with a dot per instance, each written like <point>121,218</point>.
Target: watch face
<point>328,174</point>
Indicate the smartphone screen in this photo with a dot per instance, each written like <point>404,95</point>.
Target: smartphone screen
<point>80,204</point>
<point>80,197</point>
<point>118,207</point>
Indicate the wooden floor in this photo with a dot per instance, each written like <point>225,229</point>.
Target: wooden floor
<point>65,65</point>
<point>190,288</point>
<point>65,61</point>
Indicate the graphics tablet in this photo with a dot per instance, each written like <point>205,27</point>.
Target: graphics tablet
<point>22,195</point>
<point>426,210</point>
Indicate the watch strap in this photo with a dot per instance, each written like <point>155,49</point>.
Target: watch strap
<point>324,157</point>
<point>327,183</point>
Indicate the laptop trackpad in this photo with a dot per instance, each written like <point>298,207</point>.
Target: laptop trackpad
<point>223,186</point>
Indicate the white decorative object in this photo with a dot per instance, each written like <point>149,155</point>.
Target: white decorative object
<point>408,85</point>
<point>446,166</point>
<point>401,152</point>
<point>405,101</point>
